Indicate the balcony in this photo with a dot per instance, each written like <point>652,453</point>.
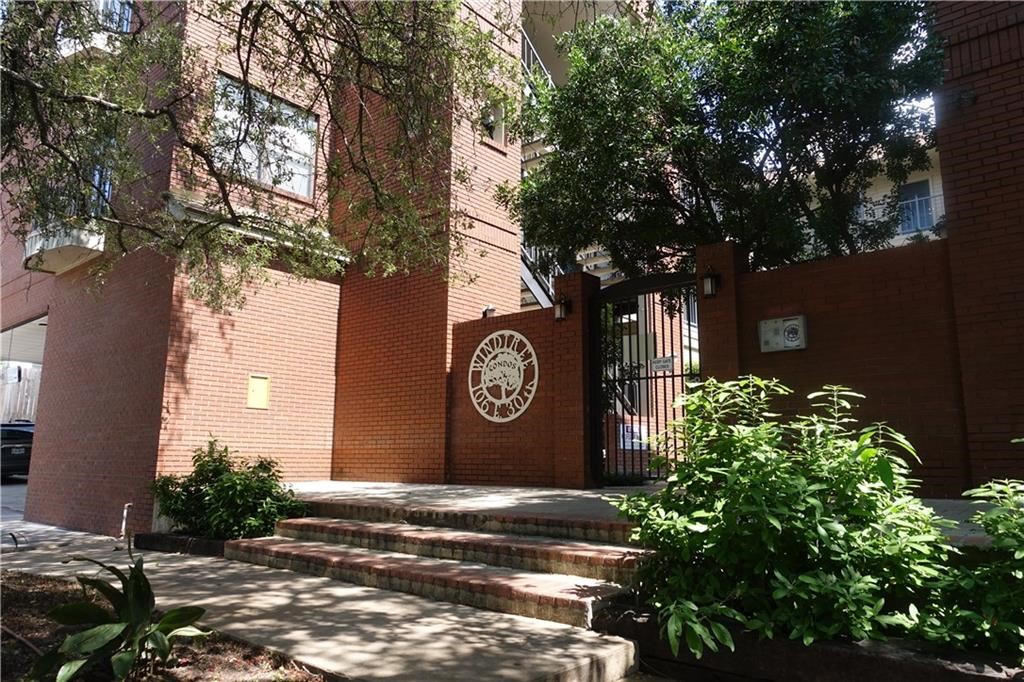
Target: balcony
<point>920,213</point>
<point>917,214</point>
<point>113,16</point>
<point>58,253</point>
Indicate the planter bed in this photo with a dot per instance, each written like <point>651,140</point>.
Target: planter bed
<point>790,661</point>
<point>179,544</point>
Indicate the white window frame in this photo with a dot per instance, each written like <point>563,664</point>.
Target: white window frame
<point>286,159</point>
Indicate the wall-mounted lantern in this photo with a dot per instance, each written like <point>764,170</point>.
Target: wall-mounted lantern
<point>562,307</point>
<point>712,283</point>
<point>488,311</point>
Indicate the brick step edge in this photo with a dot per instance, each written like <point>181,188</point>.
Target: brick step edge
<point>530,553</point>
<point>596,530</point>
<point>483,590</point>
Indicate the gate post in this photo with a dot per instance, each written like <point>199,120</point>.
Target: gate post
<point>718,316</point>
<point>574,366</point>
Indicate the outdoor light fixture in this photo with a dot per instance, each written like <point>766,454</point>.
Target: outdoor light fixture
<point>712,283</point>
<point>488,311</point>
<point>562,307</point>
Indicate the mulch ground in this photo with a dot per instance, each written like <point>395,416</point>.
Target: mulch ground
<point>26,599</point>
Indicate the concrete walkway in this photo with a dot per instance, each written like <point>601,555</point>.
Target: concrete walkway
<point>556,502</point>
<point>351,631</point>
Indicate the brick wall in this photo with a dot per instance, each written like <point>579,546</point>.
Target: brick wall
<point>548,444</point>
<point>25,294</point>
<point>980,121</point>
<point>99,411</point>
<point>395,333</point>
<point>881,323</point>
<point>391,379</point>
<point>286,331</point>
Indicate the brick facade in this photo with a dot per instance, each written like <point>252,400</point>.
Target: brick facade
<point>549,443</point>
<point>286,331</point>
<point>980,116</point>
<point>881,323</point>
<point>99,411</point>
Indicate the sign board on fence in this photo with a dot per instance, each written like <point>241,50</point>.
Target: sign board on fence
<point>782,333</point>
<point>664,364</point>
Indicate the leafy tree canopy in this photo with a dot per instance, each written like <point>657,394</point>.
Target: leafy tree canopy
<point>763,123</point>
<point>97,96</point>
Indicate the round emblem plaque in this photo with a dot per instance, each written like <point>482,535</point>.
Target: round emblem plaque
<point>503,376</point>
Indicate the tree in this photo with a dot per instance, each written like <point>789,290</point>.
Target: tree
<point>758,122</point>
<point>103,103</point>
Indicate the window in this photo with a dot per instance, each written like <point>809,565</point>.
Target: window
<point>916,207</point>
<point>492,122</point>
<point>265,138</point>
<point>116,15</point>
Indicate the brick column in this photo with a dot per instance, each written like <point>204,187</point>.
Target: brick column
<point>980,130</point>
<point>717,317</point>
<point>573,436</point>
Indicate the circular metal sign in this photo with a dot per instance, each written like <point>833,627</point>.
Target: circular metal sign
<point>503,376</point>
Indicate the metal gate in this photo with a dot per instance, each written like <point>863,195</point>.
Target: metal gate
<point>645,350</point>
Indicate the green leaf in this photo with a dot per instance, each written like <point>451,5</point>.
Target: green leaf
<point>884,471</point>
<point>88,641</point>
<point>70,669</point>
<point>161,644</point>
<point>693,641</point>
<point>112,594</point>
<point>723,635</point>
<point>187,631</point>
<point>122,662</point>
<point>179,617</point>
<point>81,613</point>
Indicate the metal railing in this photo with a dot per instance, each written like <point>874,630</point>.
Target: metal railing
<point>542,268</point>
<point>531,62</point>
<point>920,213</point>
<point>916,215</point>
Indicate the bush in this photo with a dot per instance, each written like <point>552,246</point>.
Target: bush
<point>226,497</point>
<point>124,639</point>
<point>981,603</point>
<point>807,529</point>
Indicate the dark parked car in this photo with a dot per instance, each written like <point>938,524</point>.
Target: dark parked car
<point>15,448</point>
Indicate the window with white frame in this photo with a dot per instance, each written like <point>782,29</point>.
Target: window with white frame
<point>265,138</point>
<point>916,207</point>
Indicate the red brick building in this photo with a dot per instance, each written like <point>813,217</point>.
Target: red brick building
<point>364,378</point>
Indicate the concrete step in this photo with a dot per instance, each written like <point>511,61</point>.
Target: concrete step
<point>583,529</point>
<point>611,563</point>
<point>560,598</point>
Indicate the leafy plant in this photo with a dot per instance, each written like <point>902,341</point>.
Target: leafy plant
<point>981,603</point>
<point>123,636</point>
<point>226,497</point>
<point>807,528</point>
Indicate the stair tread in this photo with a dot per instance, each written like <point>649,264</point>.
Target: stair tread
<point>527,545</point>
<point>553,588</point>
<point>517,522</point>
<point>552,519</point>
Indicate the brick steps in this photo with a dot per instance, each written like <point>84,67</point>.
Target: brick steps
<point>531,553</point>
<point>560,598</point>
<point>583,529</point>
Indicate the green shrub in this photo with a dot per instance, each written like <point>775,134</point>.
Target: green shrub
<point>981,603</point>
<point>225,497</point>
<point>807,529</point>
<point>124,637</point>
